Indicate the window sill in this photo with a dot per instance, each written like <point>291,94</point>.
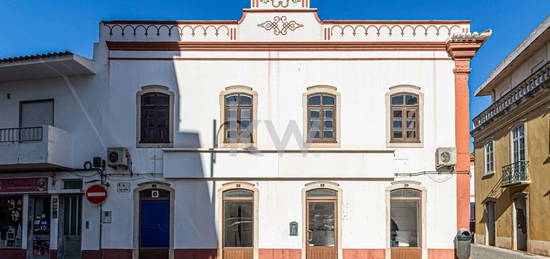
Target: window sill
<point>154,145</point>
<point>405,144</point>
<point>488,175</point>
<point>321,145</point>
<point>238,145</point>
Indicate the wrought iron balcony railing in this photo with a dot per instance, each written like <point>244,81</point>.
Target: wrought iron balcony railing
<point>515,173</point>
<point>529,86</point>
<point>21,134</point>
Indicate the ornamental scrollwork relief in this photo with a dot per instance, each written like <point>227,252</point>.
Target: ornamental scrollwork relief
<point>280,25</point>
<point>280,3</point>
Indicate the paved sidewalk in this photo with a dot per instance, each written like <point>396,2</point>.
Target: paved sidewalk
<point>489,252</point>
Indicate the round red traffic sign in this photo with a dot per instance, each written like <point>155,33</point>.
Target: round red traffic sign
<point>96,194</point>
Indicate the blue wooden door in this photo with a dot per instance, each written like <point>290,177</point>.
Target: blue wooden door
<point>155,224</point>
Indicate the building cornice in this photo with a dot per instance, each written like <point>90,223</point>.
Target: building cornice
<point>274,46</point>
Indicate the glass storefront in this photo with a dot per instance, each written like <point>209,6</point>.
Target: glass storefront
<point>11,218</point>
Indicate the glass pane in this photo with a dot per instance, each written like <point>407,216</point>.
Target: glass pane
<point>321,193</point>
<point>238,223</point>
<point>314,100</point>
<point>321,225</point>
<point>404,223</point>
<point>315,134</point>
<point>231,134</point>
<point>397,99</point>
<point>245,124</point>
<point>400,193</point>
<point>328,134</point>
<point>397,114</point>
<point>397,124</point>
<point>411,134</point>
<point>328,99</point>
<point>241,193</point>
<point>231,100</point>
<point>328,124</point>
<point>245,134</point>
<point>314,124</point>
<point>245,100</point>
<point>329,113</point>
<point>314,113</point>
<point>245,114</point>
<point>155,99</point>
<point>231,114</point>
<point>411,99</point>
<point>411,124</point>
<point>397,134</point>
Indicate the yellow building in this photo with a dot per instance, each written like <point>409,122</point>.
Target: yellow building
<point>512,150</point>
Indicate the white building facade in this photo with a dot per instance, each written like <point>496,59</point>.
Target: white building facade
<point>275,136</point>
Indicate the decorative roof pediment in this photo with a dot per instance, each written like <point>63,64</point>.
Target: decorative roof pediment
<point>281,21</point>
<point>279,4</point>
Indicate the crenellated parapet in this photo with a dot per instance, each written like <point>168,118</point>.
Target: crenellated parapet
<point>393,30</point>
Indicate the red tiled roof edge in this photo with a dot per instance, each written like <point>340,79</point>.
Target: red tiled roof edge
<point>37,56</point>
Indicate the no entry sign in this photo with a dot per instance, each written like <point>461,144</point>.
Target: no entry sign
<point>96,194</point>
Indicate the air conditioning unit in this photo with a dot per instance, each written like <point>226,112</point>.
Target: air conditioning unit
<point>445,157</point>
<point>117,157</point>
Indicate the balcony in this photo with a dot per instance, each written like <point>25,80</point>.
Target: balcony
<point>515,174</point>
<point>528,88</point>
<point>34,149</point>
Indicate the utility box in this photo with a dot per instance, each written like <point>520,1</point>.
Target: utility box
<point>463,243</point>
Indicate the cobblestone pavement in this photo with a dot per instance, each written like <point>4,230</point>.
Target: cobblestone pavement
<point>488,252</point>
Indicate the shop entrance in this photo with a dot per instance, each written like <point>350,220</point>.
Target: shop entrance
<point>70,224</point>
<point>520,205</point>
<point>406,224</point>
<point>154,224</point>
<point>322,227</point>
<point>38,246</point>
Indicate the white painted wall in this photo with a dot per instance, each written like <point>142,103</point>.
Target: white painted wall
<point>100,111</point>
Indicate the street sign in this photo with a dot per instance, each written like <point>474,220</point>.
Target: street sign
<point>96,194</point>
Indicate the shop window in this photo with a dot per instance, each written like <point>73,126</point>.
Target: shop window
<point>405,218</point>
<point>11,214</point>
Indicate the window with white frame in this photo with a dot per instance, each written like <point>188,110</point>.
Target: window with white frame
<point>518,143</point>
<point>489,158</point>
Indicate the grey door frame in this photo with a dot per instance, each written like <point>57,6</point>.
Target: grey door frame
<point>61,224</point>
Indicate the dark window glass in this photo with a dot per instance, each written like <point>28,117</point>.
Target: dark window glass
<point>404,118</point>
<point>11,218</point>
<point>238,115</point>
<point>240,193</point>
<point>321,118</point>
<point>405,193</point>
<point>155,118</point>
<point>238,223</point>
<point>321,192</point>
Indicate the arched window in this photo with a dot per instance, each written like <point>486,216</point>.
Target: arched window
<point>155,118</point>
<point>238,113</point>
<point>155,106</point>
<point>405,118</point>
<point>321,118</point>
